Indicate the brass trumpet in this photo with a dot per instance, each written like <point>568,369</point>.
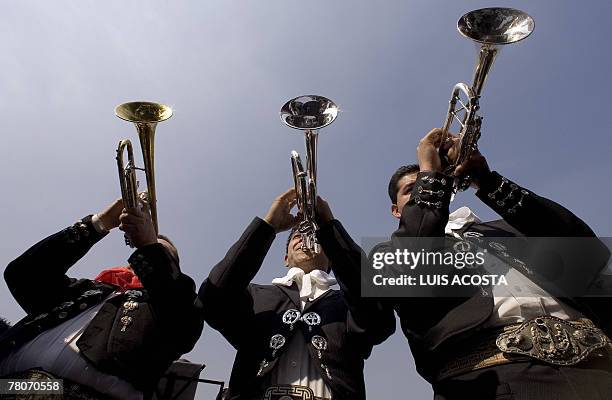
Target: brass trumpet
<point>491,28</point>
<point>145,116</point>
<point>308,113</point>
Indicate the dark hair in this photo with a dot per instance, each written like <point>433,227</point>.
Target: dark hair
<point>167,239</point>
<point>397,175</point>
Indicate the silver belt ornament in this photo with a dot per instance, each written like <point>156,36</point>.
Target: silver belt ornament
<point>552,340</point>
<point>320,343</point>
<point>311,319</point>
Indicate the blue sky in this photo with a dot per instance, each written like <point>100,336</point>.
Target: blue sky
<point>228,66</point>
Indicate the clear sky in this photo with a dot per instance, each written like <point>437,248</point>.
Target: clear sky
<point>227,67</point>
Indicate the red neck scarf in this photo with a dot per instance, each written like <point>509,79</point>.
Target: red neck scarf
<point>122,277</point>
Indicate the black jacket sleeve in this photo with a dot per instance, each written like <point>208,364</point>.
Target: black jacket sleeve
<point>37,279</point>
<point>532,215</point>
<point>368,317</point>
<point>426,213</point>
<point>424,216</point>
<point>546,223</point>
<point>226,291</point>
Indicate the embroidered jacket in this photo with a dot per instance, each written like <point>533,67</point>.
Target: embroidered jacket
<point>135,335</point>
<point>258,320</point>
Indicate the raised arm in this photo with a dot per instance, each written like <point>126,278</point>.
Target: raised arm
<point>171,293</point>
<point>37,279</point>
<point>423,199</point>
<point>226,291</point>
<point>539,218</point>
<point>368,318</point>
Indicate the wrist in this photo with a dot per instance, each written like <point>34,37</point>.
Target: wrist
<point>427,166</point>
<point>268,221</point>
<point>98,224</point>
<point>107,222</point>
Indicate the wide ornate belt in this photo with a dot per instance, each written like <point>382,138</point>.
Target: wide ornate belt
<point>290,392</point>
<point>547,339</point>
<point>553,340</point>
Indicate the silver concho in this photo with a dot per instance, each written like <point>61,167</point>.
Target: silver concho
<point>125,322</point>
<point>130,305</point>
<point>473,234</point>
<point>276,342</point>
<point>497,246</point>
<point>133,293</point>
<point>311,319</point>
<point>290,317</point>
<point>319,342</point>
<point>93,292</point>
<point>462,246</point>
<point>64,305</point>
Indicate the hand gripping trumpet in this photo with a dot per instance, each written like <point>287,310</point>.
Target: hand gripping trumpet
<point>308,113</point>
<point>145,116</point>
<point>491,28</point>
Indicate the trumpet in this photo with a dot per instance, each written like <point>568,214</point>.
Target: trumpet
<point>491,28</point>
<point>308,113</point>
<point>145,116</point>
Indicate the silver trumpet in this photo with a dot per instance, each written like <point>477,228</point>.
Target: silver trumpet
<point>308,113</point>
<point>491,28</point>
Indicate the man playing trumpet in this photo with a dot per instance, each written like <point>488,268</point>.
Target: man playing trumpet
<point>296,338</point>
<point>526,339</point>
<point>108,337</point>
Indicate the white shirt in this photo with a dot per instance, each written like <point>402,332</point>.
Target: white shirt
<point>56,352</point>
<point>521,299</point>
<point>295,367</point>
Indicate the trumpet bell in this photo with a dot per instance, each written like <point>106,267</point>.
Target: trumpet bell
<point>143,112</point>
<point>309,112</point>
<point>496,25</point>
<point>145,116</point>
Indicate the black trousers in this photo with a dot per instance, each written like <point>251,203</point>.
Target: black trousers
<point>591,380</point>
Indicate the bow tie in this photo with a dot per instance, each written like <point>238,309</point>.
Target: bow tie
<point>306,283</point>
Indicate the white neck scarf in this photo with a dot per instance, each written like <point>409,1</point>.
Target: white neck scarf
<point>459,218</point>
<point>311,285</point>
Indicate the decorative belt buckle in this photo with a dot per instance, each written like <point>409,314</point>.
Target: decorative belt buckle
<point>552,340</point>
<point>288,393</point>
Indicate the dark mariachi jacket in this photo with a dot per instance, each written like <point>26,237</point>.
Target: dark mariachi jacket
<point>249,315</point>
<point>431,323</point>
<point>135,335</point>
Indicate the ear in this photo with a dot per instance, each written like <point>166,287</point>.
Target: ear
<point>395,211</point>
<point>286,260</point>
